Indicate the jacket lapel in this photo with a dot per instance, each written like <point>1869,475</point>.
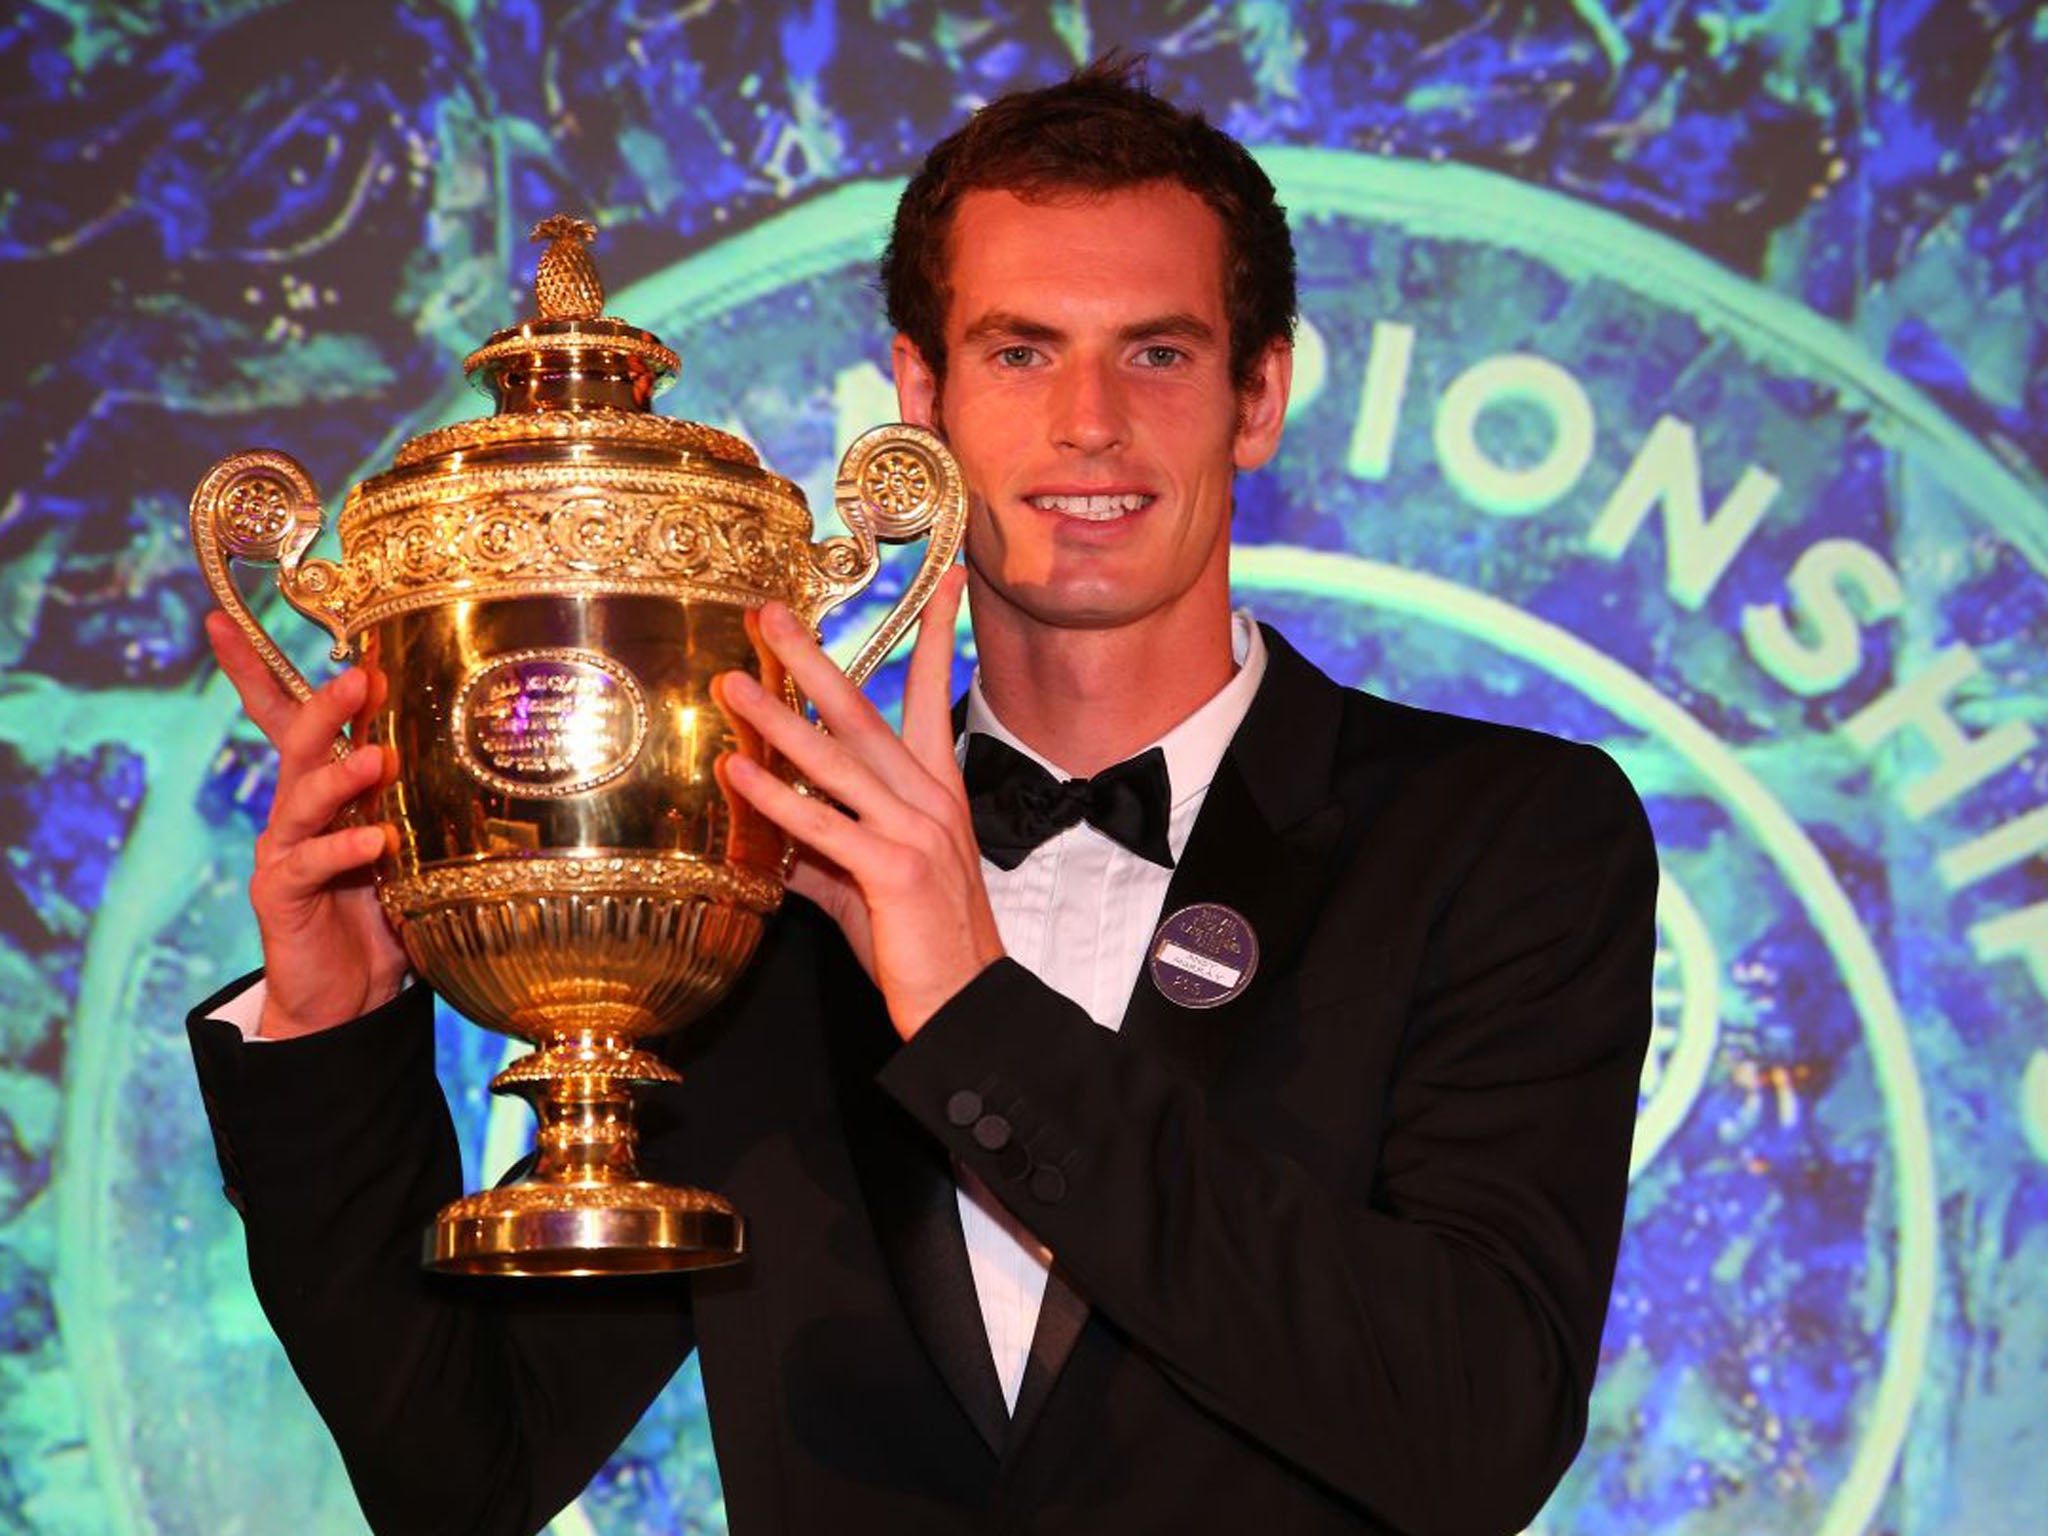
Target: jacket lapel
<point>1260,847</point>
<point>1234,859</point>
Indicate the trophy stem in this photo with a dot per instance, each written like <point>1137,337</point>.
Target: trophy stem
<point>584,1209</point>
<point>587,1134</point>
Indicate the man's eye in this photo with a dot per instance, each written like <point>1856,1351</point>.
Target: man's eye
<point>1017,357</point>
<point>1160,356</point>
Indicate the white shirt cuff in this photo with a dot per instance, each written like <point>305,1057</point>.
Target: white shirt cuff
<point>245,1009</point>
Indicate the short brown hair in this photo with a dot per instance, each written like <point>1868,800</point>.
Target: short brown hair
<point>1099,131</point>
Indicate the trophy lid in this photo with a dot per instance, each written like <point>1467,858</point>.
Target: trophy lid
<point>576,489</point>
<point>570,371</point>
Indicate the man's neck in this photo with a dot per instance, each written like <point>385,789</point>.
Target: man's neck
<point>1086,698</point>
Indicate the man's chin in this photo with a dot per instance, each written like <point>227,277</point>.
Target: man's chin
<point>1050,608</point>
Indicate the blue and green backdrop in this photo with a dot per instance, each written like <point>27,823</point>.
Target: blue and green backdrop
<point>1674,376</point>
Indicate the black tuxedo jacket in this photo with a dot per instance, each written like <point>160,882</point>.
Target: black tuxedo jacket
<point>1333,1256</point>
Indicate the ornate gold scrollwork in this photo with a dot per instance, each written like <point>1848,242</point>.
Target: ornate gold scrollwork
<point>896,482</point>
<point>260,507</point>
<point>409,896</point>
<point>604,427</point>
<point>667,532</point>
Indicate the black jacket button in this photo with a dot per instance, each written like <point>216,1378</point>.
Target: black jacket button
<point>964,1107</point>
<point>992,1133</point>
<point>1048,1184</point>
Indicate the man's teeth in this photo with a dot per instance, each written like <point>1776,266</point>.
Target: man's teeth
<point>1096,508</point>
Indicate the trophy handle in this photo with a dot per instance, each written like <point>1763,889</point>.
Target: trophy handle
<point>260,507</point>
<point>896,482</point>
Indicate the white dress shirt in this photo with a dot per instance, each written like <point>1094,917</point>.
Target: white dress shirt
<point>1079,913</point>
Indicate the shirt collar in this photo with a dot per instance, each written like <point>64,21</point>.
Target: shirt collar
<point>1194,747</point>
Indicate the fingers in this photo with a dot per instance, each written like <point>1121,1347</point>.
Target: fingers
<point>264,699</point>
<point>308,804</point>
<point>303,733</point>
<point>847,775</point>
<point>842,707</point>
<point>832,891</point>
<point>816,878</point>
<point>291,893</point>
<point>312,786</point>
<point>304,872</point>
<point>855,846</point>
<point>308,741</point>
<point>928,681</point>
<point>861,763</point>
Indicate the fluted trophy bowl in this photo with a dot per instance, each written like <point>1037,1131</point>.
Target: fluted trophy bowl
<point>541,599</point>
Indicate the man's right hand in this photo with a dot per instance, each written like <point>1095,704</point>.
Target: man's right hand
<point>328,954</point>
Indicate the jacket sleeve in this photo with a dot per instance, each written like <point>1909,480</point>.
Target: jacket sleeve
<point>1426,1349</point>
<point>458,1403</point>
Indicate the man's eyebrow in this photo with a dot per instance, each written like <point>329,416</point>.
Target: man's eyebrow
<point>1008,324</point>
<point>1179,325</point>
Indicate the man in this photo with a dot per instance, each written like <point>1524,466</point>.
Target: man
<point>1037,1245</point>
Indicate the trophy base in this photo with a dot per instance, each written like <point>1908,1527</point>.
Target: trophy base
<point>627,1228</point>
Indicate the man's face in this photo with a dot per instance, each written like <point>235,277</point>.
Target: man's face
<point>1088,397</point>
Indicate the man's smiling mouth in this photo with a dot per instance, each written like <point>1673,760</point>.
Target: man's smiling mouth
<point>1095,509</point>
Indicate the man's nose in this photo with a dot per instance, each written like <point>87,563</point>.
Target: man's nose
<point>1088,408</point>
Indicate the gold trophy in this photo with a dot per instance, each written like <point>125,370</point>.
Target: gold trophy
<point>541,598</point>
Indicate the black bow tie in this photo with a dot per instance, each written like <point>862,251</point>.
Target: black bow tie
<point>1017,805</point>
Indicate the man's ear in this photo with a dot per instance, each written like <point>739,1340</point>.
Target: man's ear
<point>1262,409</point>
<point>917,387</point>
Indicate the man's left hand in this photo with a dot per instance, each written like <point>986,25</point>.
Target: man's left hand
<point>893,861</point>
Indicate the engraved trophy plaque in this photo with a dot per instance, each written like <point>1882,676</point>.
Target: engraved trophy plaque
<point>542,598</point>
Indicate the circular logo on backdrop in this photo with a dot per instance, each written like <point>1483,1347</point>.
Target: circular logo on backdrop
<point>1546,467</point>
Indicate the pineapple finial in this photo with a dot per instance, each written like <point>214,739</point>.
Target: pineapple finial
<point>565,284</point>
